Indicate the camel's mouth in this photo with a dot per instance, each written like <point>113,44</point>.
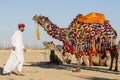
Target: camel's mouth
<point>36,18</point>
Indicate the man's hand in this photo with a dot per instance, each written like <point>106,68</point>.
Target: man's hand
<point>13,48</point>
<point>24,50</point>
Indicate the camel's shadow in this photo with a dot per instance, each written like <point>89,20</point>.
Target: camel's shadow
<point>69,67</point>
<point>48,65</point>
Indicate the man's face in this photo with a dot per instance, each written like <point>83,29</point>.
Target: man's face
<point>21,29</point>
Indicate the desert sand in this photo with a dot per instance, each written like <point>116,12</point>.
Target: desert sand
<point>36,68</point>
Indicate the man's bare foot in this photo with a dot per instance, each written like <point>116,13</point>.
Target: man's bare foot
<point>18,73</point>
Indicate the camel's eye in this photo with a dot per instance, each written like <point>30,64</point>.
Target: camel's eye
<point>42,20</point>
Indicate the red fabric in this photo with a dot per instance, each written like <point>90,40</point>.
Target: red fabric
<point>21,25</point>
<point>113,48</point>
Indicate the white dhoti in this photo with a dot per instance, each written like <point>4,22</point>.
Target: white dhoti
<point>15,61</point>
<point>16,58</point>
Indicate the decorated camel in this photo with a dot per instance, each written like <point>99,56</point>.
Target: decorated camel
<point>95,60</point>
<point>86,35</point>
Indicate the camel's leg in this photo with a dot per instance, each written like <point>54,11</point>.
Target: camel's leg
<point>108,60</point>
<point>86,60</point>
<point>100,60</point>
<point>78,64</point>
<point>116,64</point>
<point>90,60</point>
<point>111,64</point>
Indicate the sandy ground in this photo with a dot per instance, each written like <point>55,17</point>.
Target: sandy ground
<point>36,68</point>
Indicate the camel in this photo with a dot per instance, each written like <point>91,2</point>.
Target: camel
<point>80,37</point>
<point>56,53</point>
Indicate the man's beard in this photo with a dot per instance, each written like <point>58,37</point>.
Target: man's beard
<point>22,30</point>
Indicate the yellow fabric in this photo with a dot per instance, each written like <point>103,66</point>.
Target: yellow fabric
<point>38,33</point>
<point>92,18</point>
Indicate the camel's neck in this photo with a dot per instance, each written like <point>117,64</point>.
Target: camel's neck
<point>56,32</point>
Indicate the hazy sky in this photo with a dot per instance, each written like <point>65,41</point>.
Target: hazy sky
<point>61,12</point>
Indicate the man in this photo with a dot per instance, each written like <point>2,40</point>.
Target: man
<point>16,58</point>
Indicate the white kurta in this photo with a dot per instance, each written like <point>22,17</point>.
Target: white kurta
<point>16,58</point>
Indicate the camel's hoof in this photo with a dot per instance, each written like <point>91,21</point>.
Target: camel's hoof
<point>115,70</point>
<point>68,68</point>
<point>110,69</point>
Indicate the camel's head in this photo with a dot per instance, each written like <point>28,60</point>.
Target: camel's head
<point>50,45</point>
<point>41,20</point>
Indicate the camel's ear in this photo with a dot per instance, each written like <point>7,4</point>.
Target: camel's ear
<point>40,16</point>
<point>46,18</point>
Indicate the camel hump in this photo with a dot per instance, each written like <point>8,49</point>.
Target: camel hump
<point>92,18</point>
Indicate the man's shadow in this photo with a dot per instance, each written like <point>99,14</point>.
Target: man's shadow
<point>1,70</point>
